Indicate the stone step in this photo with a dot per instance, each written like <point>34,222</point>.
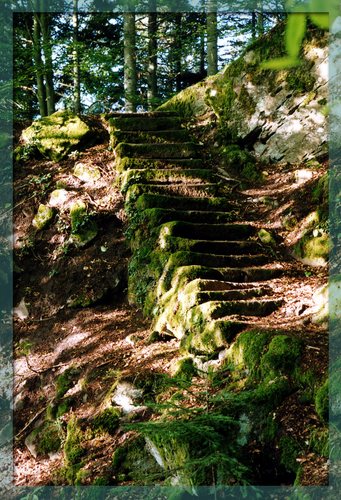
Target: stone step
<point>183,258</point>
<point>123,164</point>
<point>155,217</point>
<point>149,136</point>
<point>204,285</point>
<point>214,337</point>
<point>195,298</point>
<point>150,200</point>
<point>218,309</point>
<point>158,151</point>
<point>144,176</point>
<point>189,190</point>
<point>198,231</point>
<point>142,122</point>
<point>145,114</point>
<point>173,243</point>
<point>185,274</point>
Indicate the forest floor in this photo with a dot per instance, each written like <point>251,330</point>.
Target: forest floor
<point>110,336</point>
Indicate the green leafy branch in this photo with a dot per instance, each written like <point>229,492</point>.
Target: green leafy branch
<point>295,30</point>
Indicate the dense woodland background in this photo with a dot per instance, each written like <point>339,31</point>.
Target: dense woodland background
<point>96,62</point>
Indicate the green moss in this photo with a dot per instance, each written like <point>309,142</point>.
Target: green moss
<point>319,442</point>
<point>184,369</point>
<point>266,237</point>
<point>83,229</point>
<point>43,217</point>
<point>66,380</point>
<point>322,401</point>
<point>247,101</point>
<point>320,195</point>
<point>247,351</point>
<point>56,135</point>
<point>48,438</point>
<point>188,103</point>
<point>289,450</point>
<point>282,356</point>
<point>166,151</point>
<point>313,249</point>
<point>241,162</point>
<point>133,462</point>
<point>73,449</point>
<point>107,421</point>
<point>139,123</point>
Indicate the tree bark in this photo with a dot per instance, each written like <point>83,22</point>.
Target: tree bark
<point>130,74</point>
<point>75,59</point>
<point>152,55</point>
<point>48,66</point>
<point>212,38</point>
<point>177,47</point>
<point>38,64</point>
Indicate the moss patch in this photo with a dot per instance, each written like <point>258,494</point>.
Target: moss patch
<point>43,217</point>
<point>55,136</point>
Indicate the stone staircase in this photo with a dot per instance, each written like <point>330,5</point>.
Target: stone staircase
<point>202,275</point>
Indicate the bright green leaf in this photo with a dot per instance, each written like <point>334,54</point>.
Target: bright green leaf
<point>281,63</point>
<point>320,20</point>
<point>294,33</point>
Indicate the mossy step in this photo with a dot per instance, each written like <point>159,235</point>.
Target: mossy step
<point>232,262</point>
<point>182,258</point>
<point>150,137</point>
<point>198,231</point>
<point>152,218</point>
<point>217,309</point>
<point>214,337</point>
<point>143,122</point>
<point>185,274</point>
<point>190,190</point>
<point>150,200</point>
<point>123,164</point>
<point>158,151</point>
<point>209,285</point>
<point>141,176</point>
<point>194,298</point>
<point>174,243</point>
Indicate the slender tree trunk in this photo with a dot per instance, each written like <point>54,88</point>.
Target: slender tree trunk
<point>177,48</point>
<point>152,55</point>
<point>130,74</point>
<point>260,22</point>
<point>75,59</point>
<point>202,51</point>
<point>38,65</point>
<point>212,38</point>
<point>48,67</point>
<point>254,25</point>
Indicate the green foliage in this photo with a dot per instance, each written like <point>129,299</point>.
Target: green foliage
<point>73,444</point>
<point>107,421</point>
<point>282,355</point>
<point>289,449</point>
<point>49,438</point>
<point>65,381</point>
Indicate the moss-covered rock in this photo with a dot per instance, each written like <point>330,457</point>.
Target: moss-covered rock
<point>43,217</point>
<point>266,237</point>
<point>59,197</point>
<point>55,136</point>
<point>86,173</point>
<point>322,401</point>
<point>282,356</point>
<point>83,228</point>
<point>45,440</point>
<point>107,420</point>
<point>312,249</point>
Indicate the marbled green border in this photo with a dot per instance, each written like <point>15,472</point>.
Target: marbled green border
<point>6,289</point>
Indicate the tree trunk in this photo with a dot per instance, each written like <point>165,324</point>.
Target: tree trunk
<point>212,38</point>
<point>177,47</point>
<point>38,65</point>
<point>152,55</point>
<point>130,76</point>
<point>48,67</point>
<point>75,59</point>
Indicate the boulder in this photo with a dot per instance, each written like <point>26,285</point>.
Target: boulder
<point>55,136</point>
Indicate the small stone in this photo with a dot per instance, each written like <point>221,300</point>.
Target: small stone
<point>86,173</point>
<point>21,310</point>
<point>58,197</point>
<point>266,237</point>
<point>42,217</point>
